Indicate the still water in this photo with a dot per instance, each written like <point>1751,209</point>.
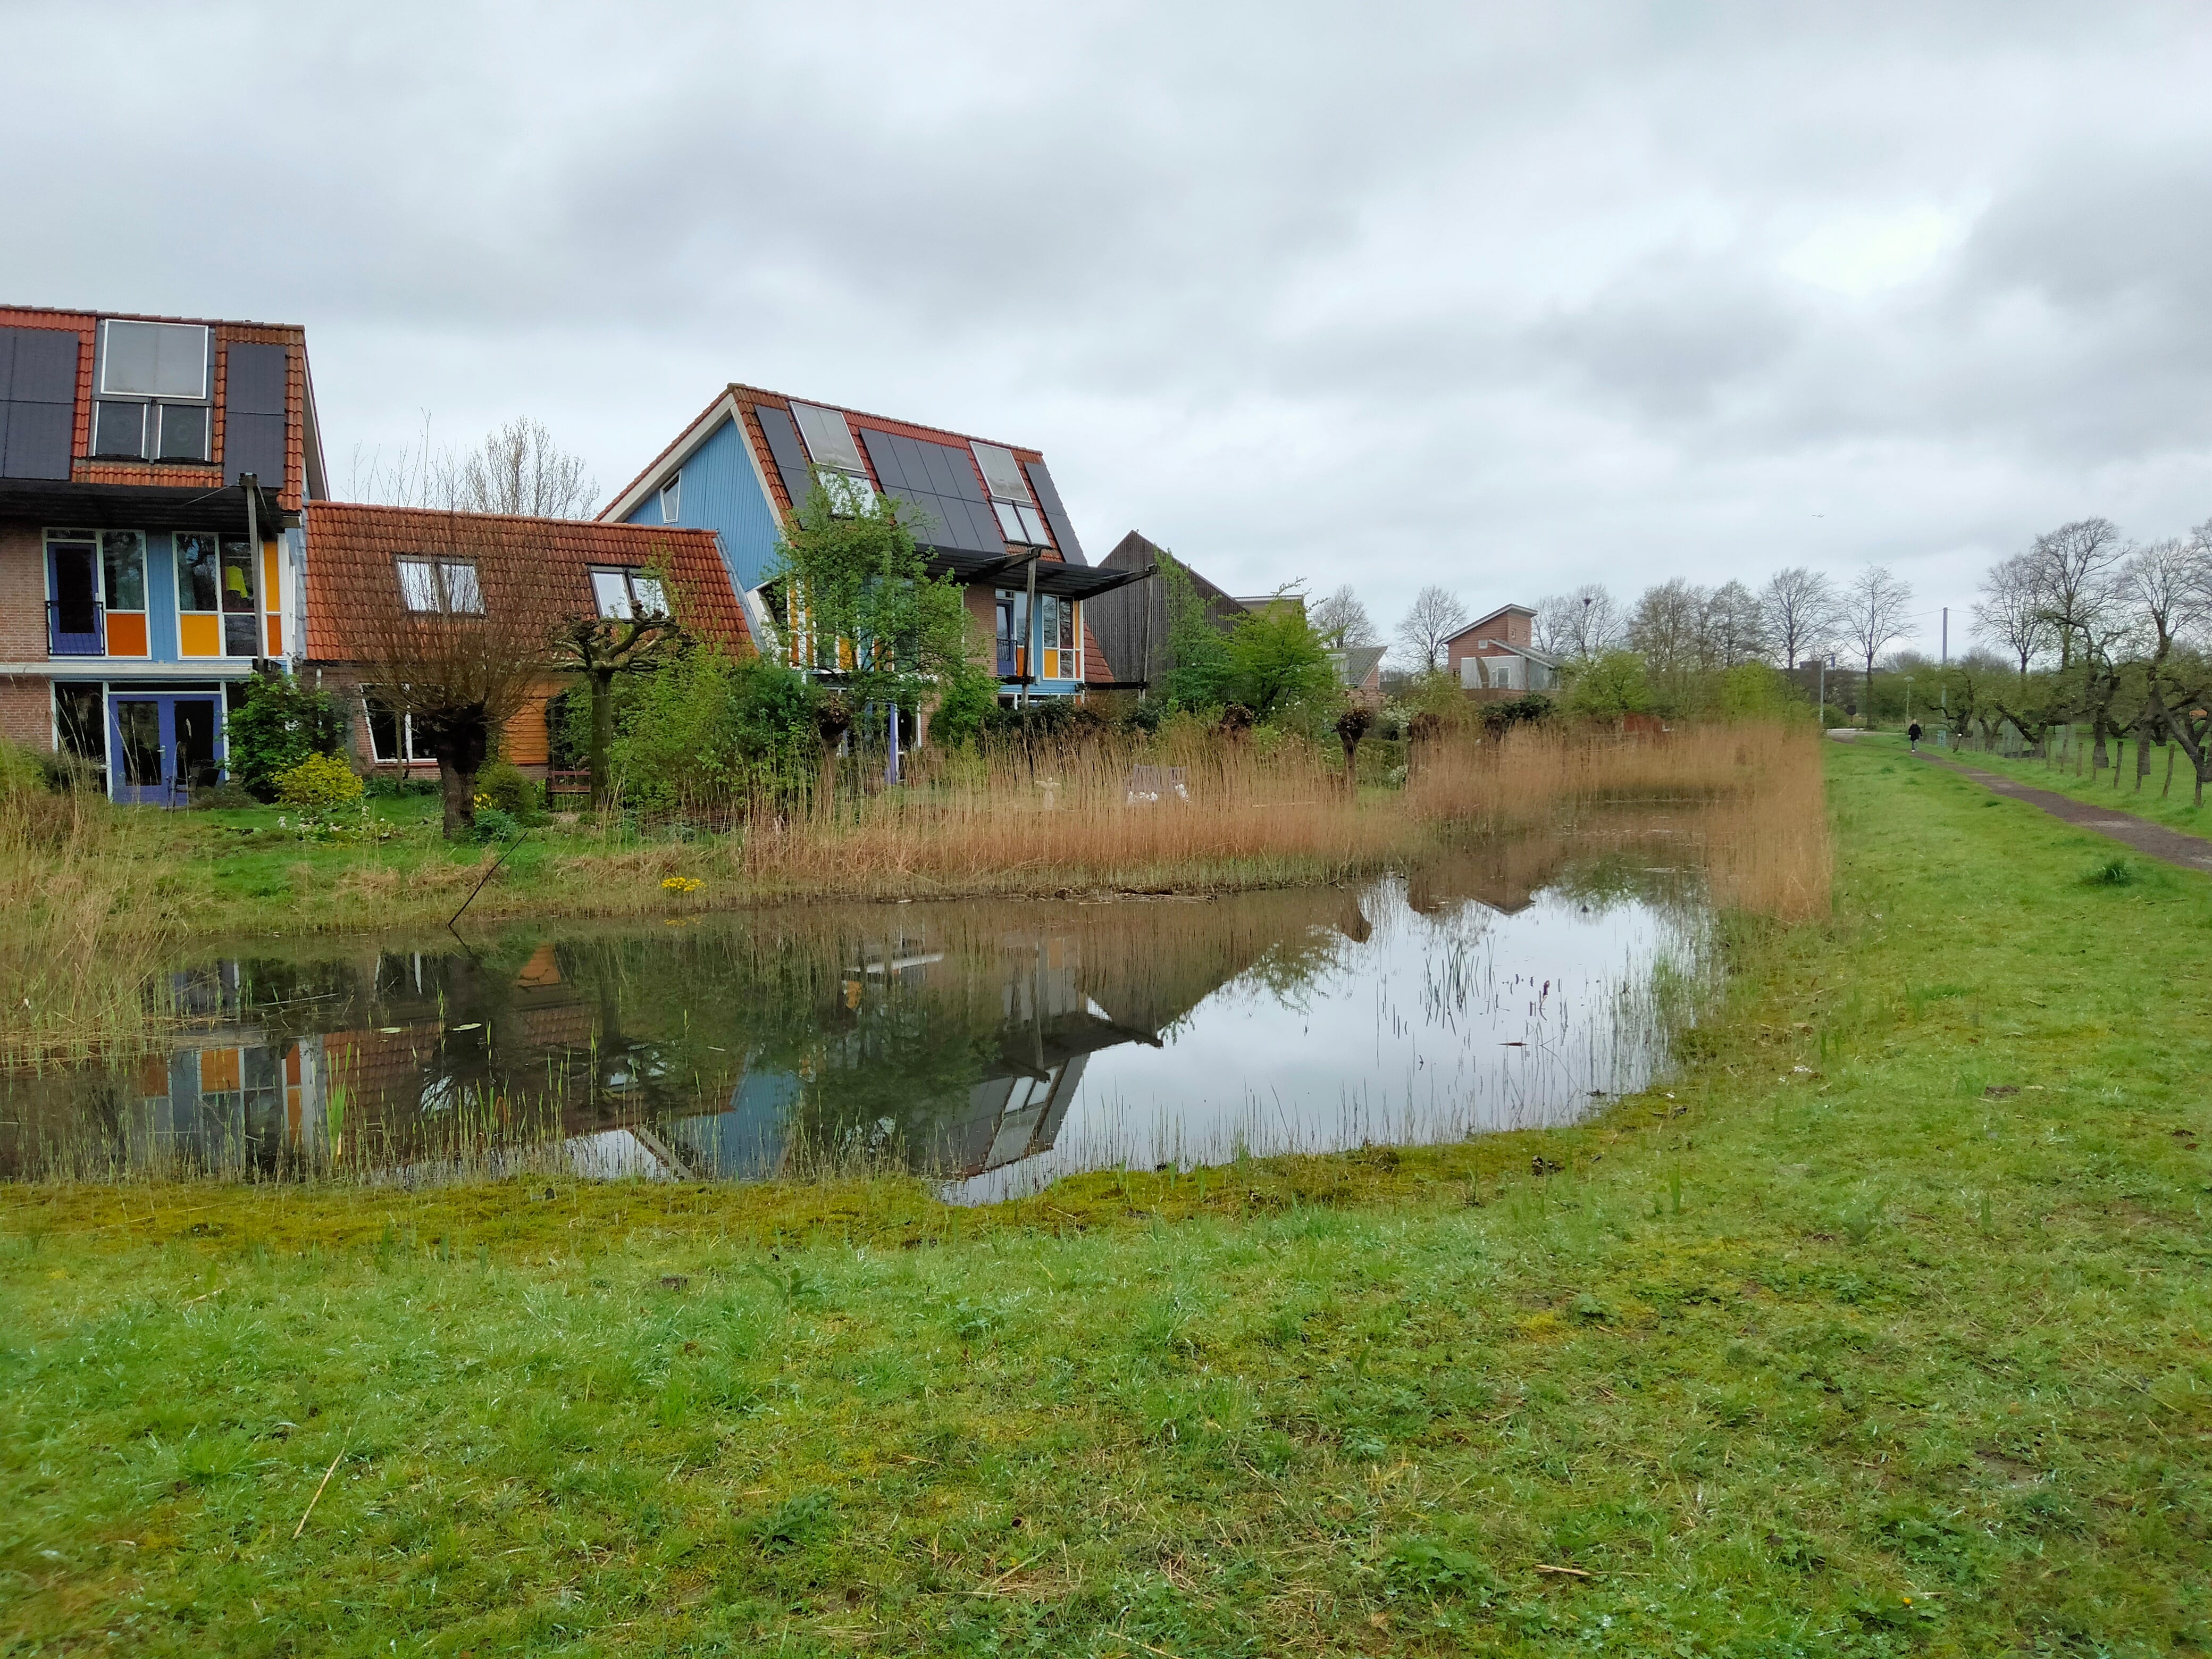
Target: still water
<point>992,1046</point>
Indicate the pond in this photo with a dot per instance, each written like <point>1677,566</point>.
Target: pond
<point>992,1046</point>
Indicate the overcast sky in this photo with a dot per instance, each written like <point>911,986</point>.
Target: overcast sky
<point>1505,298</point>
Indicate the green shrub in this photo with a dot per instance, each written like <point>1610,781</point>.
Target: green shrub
<point>318,780</point>
<point>965,709</point>
<point>279,722</point>
<point>510,789</point>
<point>493,823</point>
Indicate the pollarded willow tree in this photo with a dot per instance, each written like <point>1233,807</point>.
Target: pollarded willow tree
<point>871,622</point>
<point>458,643</point>
<point>632,634</point>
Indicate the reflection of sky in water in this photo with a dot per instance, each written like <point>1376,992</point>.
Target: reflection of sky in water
<point>1409,1036</point>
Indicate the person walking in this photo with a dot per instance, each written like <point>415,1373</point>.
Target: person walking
<point>1912,736</point>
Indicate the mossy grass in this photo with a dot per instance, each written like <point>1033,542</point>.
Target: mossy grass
<point>1880,1329</point>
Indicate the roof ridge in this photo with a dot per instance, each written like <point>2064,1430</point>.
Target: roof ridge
<point>97,315</point>
<point>514,518</point>
<point>888,420</point>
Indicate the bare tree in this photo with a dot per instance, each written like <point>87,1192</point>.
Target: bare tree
<point>1342,619</point>
<point>518,470</point>
<point>2009,612</point>
<point>1435,616</point>
<point>2073,568</point>
<point>458,641</point>
<point>1873,615</point>
<point>1578,626</point>
<point>1735,626</point>
<point>1800,608</point>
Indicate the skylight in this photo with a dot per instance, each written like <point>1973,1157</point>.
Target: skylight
<point>829,439</point>
<point>1019,517</point>
<point>154,360</point>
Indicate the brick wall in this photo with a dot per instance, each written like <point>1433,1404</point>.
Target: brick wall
<point>23,593</point>
<point>26,711</point>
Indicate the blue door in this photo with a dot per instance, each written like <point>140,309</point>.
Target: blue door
<point>162,747</point>
<point>73,618</point>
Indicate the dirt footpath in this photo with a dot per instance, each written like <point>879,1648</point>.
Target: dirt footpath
<point>2153,841</point>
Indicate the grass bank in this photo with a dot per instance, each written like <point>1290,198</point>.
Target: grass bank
<point>2156,800</point>
<point>1882,1330</point>
<point>102,893</point>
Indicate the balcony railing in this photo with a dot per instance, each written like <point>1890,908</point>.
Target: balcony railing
<point>65,639</point>
<point>1012,660</point>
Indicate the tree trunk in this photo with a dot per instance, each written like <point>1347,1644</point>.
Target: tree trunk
<point>603,731</point>
<point>459,742</point>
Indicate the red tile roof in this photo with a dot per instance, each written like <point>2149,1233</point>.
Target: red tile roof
<point>351,576</point>
<point>83,325</point>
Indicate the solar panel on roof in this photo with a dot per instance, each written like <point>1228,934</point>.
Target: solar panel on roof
<point>1055,515</point>
<point>882,450</point>
<point>38,401</point>
<point>790,458</point>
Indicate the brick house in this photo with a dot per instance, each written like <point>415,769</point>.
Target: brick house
<point>362,559</point>
<point>988,513</point>
<point>1496,658</point>
<point>152,471</point>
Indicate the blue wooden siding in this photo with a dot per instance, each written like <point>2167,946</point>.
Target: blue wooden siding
<point>721,492</point>
<point>161,596</point>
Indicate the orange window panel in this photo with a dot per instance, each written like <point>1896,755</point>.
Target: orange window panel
<point>275,636</point>
<point>218,1071</point>
<point>126,632</point>
<point>200,634</point>
<point>153,1076</point>
<point>268,574</point>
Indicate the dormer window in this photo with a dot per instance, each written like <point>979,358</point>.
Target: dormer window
<point>671,498</point>
<point>836,459</point>
<point>447,586</point>
<point>625,595</point>
<point>153,387</point>
<point>1018,518</point>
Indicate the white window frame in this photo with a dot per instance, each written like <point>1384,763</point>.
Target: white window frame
<point>850,494</point>
<point>407,756</point>
<point>451,583</point>
<point>672,497</point>
<point>637,593</point>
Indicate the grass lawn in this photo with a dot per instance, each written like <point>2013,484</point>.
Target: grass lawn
<point>2172,809</point>
<point>1885,1328</point>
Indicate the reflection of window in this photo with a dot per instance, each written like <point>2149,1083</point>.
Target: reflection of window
<point>672,497</point>
<point>199,582</point>
<point>442,584</point>
<point>184,432</point>
<point>80,720</point>
<point>391,733</point>
<point>118,430</point>
<point>123,554</point>
<point>627,593</point>
<point>1018,518</point>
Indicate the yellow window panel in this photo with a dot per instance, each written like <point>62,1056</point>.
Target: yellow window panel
<point>200,634</point>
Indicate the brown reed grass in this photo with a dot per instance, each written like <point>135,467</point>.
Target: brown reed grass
<point>97,896</point>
